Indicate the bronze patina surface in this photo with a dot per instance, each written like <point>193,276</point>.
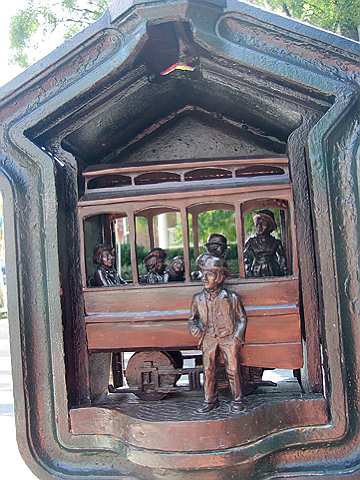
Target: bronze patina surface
<point>218,322</point>
<point>264,255</point>
<point>155,266</point>
<point>105,274</point>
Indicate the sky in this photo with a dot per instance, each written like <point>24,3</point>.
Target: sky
<point>7,71</point>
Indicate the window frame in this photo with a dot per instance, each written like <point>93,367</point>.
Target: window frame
<point>183,202</point>
<point>290,238</point>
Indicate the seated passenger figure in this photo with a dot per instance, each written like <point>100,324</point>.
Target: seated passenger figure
<point>175,272</point>
<point>155,266</point>
<point>105,274</point>
<point>264,255</point>
<point>216,245</point>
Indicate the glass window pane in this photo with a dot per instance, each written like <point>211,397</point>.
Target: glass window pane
<point>159,246</point>
<point>122,248</point>
<point>107,250</point>
<point>213,231</point>
<point>267,246</point>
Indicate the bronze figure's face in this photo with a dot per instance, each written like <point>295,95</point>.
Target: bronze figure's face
<point>104,256</point>
<point>264,222</point>
<point>262,225</point>
<point>155,264</point>
<point>177,265</point>
<point>107,259</point>
<point>155,260</point>
<point>105,274</point>
<point>216,244</point>
<point>213,271</point>
<point>212,279</point>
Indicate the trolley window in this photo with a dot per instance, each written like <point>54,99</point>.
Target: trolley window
<point>109,181</point>
<point>107,250</point>
<point>267,249</point>
<point>212,229</point>
<point>159,245</point>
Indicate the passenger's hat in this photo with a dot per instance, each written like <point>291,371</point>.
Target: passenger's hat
<point>210,262</point>
<point>218,238</point>
<point>201,259</point>
<point>269,216</point>
<point>157,253</point>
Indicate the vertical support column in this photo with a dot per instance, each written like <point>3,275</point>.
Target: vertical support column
<point>195,229</point>
<point>305,241</point>
<point>82,250</point>
<point>71,244</point>
<point>240,238</point>
<point>292,233</point>
<point>185,229</point>
<point>162,231</point>
<point>132,235</point>
<point>150,222</point>
<point>106,227</point>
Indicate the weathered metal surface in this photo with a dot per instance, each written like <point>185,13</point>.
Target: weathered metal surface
<point>178,427</point>
<point>285,81</point>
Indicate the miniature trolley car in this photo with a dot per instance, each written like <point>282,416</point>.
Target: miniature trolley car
<point>151,320</point>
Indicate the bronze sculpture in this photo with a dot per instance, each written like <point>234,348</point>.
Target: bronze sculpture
<point>155,265</point>
<point>90,102</point>
<point>216,245</point>
<point>218,321</point>
<point>264,255</point>
<point>105,274</point>
<point>175,271</point>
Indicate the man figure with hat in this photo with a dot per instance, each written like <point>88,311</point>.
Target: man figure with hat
<point>264,254</point>
<point>155,265</point>
<point>218,321</point>
<point>216,245</point>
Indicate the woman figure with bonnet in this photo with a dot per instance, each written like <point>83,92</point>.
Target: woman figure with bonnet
<point>264,255</point>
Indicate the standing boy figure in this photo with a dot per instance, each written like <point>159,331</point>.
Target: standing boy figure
<point>218,321</point>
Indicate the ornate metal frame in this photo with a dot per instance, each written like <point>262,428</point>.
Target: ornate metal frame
<point>286,51</point>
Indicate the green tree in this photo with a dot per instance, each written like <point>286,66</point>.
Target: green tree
<point>31,25</point>
<point>339,16</point>
<point>42,18</point>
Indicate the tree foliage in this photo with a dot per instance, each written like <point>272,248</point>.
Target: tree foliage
<point>41,18</point>
<point>32,25</point>
<point>339,16</point>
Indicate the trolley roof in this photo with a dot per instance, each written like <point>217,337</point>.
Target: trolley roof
<point>108,182</point>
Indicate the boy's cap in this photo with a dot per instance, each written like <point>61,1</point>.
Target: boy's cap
<point>210,262</point>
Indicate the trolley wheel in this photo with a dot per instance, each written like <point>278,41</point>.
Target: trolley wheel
<point>142,373</point>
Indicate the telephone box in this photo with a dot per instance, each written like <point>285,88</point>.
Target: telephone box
<point>166,137</point>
